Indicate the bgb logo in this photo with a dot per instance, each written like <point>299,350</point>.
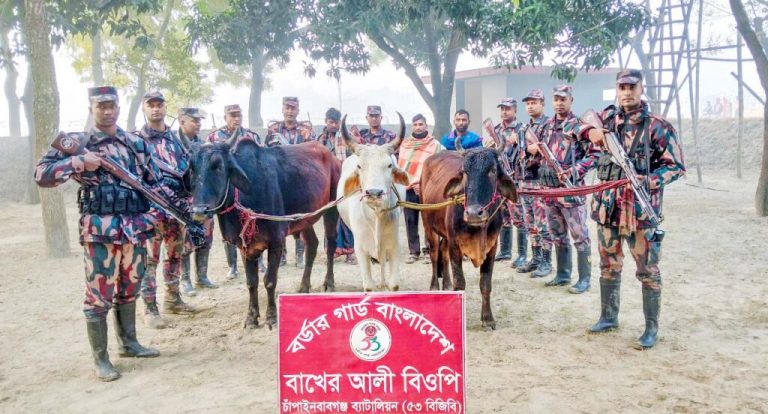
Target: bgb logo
<point>370,340</point>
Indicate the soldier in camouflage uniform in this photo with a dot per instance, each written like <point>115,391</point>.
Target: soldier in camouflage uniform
<point>534,212</point>
<point>114,225</point>
<point>189,128</point>
<point>173,160</point>
<point>375,134</point>
<point>289,132</point>
<point>568,214</point>
<point>509,129</point>
<point>233,118</point>
<point>651,142</point>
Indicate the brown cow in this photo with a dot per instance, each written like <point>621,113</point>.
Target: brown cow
<point>470,229</point>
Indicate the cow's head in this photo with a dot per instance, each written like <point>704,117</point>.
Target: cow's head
<point>213,172</point>
<point>376,169</point>
<point>483,182</point>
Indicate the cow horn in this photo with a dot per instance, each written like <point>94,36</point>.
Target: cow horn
<point>351,144</point>
<point>395,144</point>
<point>459,148</point>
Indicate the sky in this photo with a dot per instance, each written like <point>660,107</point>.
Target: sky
<point>384,85</point>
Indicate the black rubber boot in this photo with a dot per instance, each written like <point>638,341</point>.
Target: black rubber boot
<point>545,265</point>
<point>564,265</point>
<point>533,264</point>
<point>609,306</point>
<point>651,307</point>
<point>584,265</point>
<point>231,251</point>
<point>201,264</point>
<point>186,283</point>
<point>522,249</point>
<point>125,330</point>
<point>505,244</point>
<point>299,253</point>
<point>97,337</point>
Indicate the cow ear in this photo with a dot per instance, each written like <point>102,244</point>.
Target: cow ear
<point>507,187</point>
<point>399,176</point>
<point>237,176</point>
<point>352,184</point>
<point>455,186</point>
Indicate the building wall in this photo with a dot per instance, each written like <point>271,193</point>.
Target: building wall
<point>480,96</point>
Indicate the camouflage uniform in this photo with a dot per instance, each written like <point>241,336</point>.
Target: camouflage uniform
<point>166,149</point>
<point>114,225</point>
<point>534,212</point>
<point>513,214</point>
<point>293,135</point>
<point>381,137</point>
<point>661,161</point>
<point>568,214</point>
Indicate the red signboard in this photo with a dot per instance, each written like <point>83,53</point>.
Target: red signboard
<point>372,353</point>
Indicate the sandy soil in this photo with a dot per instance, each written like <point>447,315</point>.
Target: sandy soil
<point>712,358</point>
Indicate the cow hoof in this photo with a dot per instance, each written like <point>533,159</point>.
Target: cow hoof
<point>434,287</point>
<point>329,288</point>
<point>489,326</point>
<point>368,290</point>
<point>303,289</point>
<point>251,323</point>
<point>272,321</point>
<point>394,288</point>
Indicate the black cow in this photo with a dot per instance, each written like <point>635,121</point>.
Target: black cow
<point>282,180</point>
<point>470,229</point>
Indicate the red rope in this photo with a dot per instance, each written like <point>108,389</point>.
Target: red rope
<point>575,191</point>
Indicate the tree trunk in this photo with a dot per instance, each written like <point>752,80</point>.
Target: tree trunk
<point>45,108</point>
<point>11,78</point>
<point>31,193</point>
<point>141,83</point>
<point>257,86</point>
<point>97,72</point>
<point>761,62</point>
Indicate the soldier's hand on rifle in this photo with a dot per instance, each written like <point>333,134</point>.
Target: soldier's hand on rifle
<point>91,161</point>
<point>565,176</point>
<point>305,129</point>
<point>533,149</point>
<point>597,136</point>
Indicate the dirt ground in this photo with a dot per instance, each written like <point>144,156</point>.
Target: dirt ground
<point>712,356</point>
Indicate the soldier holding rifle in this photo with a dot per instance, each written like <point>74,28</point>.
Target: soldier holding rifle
<point>643,147</point>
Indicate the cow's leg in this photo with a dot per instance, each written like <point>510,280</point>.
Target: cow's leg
<point>393,281</point>
<point>364,265</point>
<point>486,275</point>
<point>433,243</point>
<point>459,283</point>
<point>270,283</point>
<point>252,281</point>
<point>445,263</point>
<point>310,238</point>
<point>330,221</point>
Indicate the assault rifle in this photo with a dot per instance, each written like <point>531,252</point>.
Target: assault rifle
<point>619,156</point>
<point>548,156</point>
<point>488,124</point>
<point>74,144</point>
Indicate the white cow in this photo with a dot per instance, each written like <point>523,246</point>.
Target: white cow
<point>369,213</point>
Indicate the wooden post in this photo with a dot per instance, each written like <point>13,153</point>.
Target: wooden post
<point>740,118</point>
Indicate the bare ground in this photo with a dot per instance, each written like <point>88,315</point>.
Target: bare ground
<point>712,357</point>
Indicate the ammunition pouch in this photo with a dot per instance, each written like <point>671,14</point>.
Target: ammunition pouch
<point>548,177</point>
<point>105,199</point>
<point>176,186</point>
<point>607,170</point>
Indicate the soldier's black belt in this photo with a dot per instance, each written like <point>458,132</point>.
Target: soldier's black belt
<point>111,199</point>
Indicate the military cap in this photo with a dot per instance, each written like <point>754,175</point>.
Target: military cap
<point>154,95</point>
<point>510,102</point>
<point>629,76</point>
<point>333,113</point>
<point>191,112</point>
<point>534,94</point>
<point>566,91</point>
<point>291,100</point>
<point>102,94</point>
<point>232,108</point>
<point>373,110</point>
